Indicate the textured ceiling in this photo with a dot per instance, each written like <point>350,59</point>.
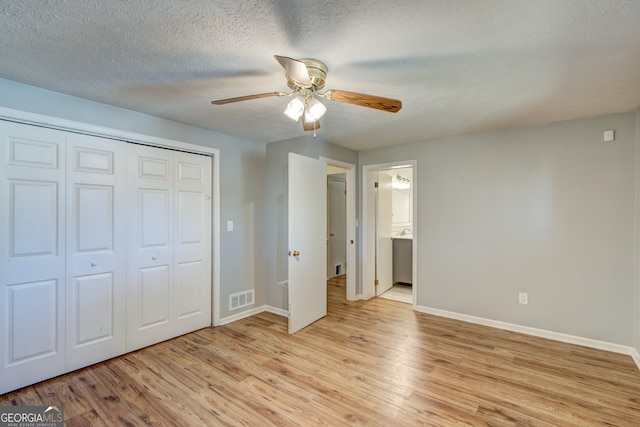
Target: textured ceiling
<point>458,66</point>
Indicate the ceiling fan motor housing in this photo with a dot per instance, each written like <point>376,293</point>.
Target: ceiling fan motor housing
<point>317,74</point>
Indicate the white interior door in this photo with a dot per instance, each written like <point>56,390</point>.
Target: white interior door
<point>307,209</point>
<point>96,249</point>
<point>150,246</point>
<point>337,248</point>
<point>32,254</point>
<point>384,244</point>
<point>192,242</point>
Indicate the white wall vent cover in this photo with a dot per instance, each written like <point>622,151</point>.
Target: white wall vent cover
<point>240,299</point>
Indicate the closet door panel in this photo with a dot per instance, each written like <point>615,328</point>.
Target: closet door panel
<point>96,249</point>
<point>192,250</point>
<point>33,314</point>
<point>94,218</point>
<point>189,289</point>
<point>32,259</point>
<point>33,219</point>
<point>93,311</point>
<point>155,219</point>
<point>150,246</point>
<point>154,308</point>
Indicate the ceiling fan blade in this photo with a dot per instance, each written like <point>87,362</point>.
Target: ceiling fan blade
<point>310,126</point>
<point>296,70</point>
<point>371,101</point>
<point>246,98</point>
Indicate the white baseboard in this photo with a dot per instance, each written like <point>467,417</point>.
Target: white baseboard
<point>557,336</point>
<point>356,297</point>
<point>252,312</point>
<point>636,356</point>
<point>276,310</point>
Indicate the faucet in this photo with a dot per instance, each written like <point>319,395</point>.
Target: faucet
<point>405,232</point>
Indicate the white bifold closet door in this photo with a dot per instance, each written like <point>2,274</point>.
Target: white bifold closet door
<point>105,247</point>
<point>169,244</point>
<point>96,249</point>
<point>32,255</point>
<point>62,253</point>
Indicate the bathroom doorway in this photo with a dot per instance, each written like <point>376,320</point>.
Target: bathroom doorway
<point>389,231</point>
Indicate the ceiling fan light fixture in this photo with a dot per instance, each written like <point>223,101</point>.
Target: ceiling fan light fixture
<point>295,108</point>
<point>314,111</point>
<point>306,77</point>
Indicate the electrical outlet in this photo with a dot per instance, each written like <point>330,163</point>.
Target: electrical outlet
<point>523,298</point>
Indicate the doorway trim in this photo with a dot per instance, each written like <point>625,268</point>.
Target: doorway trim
<point>53,122</point>
<point>350,169</point>
<point>368,232</point>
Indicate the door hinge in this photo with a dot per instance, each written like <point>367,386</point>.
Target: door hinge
<point>375,184</point>
<point>376,282</point>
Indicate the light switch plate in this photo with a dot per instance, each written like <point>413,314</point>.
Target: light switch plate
<point>229,225</point>
<point>609,135</point>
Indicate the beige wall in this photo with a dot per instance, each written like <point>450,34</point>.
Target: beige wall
<point>548,210</point>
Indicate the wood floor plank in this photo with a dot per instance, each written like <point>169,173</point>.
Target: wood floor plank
<point>368,363</point>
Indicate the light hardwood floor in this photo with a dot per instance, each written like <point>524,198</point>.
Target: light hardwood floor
<point>367,363</point>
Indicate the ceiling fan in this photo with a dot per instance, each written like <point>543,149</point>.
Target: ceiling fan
<point>306,77</point>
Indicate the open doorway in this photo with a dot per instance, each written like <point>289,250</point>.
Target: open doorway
<point>336,222</point>
<point>389,231</point>
<point>341,225</point>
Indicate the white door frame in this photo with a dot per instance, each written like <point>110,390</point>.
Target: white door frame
<point>351,224</point>
<point>367,272</point>
<point>105,132</point>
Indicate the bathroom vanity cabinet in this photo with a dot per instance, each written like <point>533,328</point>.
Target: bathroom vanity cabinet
<point>402,259</point>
